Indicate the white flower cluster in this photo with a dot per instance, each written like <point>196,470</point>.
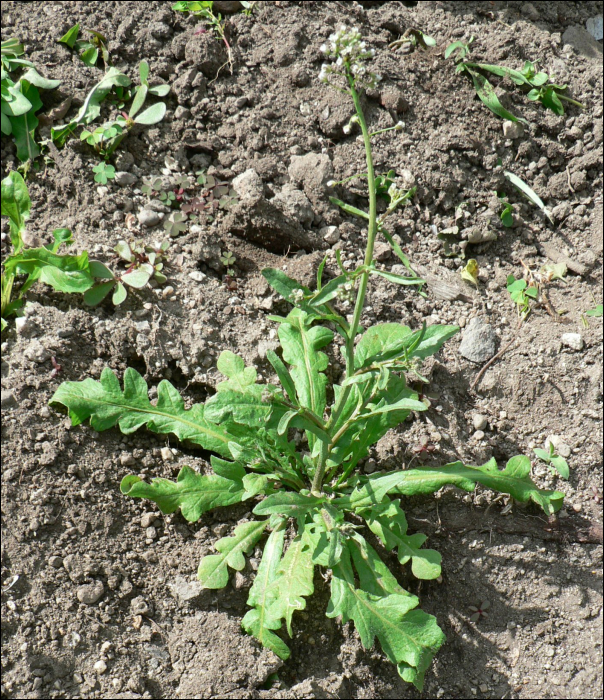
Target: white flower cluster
<point>345,293</point>
<point>297,296</point>
<point>349,55</point>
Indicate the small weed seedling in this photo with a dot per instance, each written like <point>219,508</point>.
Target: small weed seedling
<point>88,50</point>
<point>65,273</point>
<point>555,462</point>
<point>522,293</point>
<point>228,260</point>
<point>534,82</point>
<point>311,499</point>
<point>412,38</point>
<point>108,136</point>
<point>21,99</point>
<point>595,313</point>
<point>144,263</point>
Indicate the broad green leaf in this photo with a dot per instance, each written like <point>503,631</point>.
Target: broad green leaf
<point>287,503</point>
<point>65,273</point>
<point>246,409</point>
<point>282,284</point>
<point>70,37</point>
<point>140,95</point>
<point>293,580</point>
<point>16,204</point>
<point>241,379</point>
<point>514,479</point>
<point>159,90</point>
<point>374,576</point>
<point>514,75</point>
<point>98,269</point>
<point>119,295</point>
<point>404,403</point>
<point>260,621</point>
<point>152,115</point>
<point>213,569</point>
<point>330,290</point>
<point>14,102</point>
<point>432,340</point>
<point>255,484</point>
<point>106,405</point>
<point>380,343</point>
<point>34,78</point>
<point>143,71</point>
<point>193,493</point>
<point>406,635</point>
<point>139,277</point>
<point>301,344</point>
<point>90,55</point>
<point>388,522</point>
<point>25,125</point>
<point>560,465</point>
<point>529,192</point>
<point>96,294</point>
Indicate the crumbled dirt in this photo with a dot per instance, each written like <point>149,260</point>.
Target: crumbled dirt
<point>65,525</point>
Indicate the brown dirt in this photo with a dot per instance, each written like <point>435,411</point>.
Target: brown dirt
<point>64,522</point>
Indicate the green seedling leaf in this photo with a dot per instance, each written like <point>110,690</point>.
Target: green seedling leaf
<point>556,462</point>
<point>70,37</point>
<point>97,269</point>
<point>143,71</point>
<point>597,312</point>
<point>16,204</point>
<point>96,294</point>
<point>284,376</point>
<point>213,569</point>
<point>290,505</point>
<point>529,192</point>
<point>397,279</point>
<point>152,115</point>
<point>507,216</point>
<point>554,271</point>
<point>241,379</point>
<point>106,405</point>
<point>119,295</point>
<point>193,493</point>
<point>65,273</point>
<point>140,95</point>
<point>301,344</point>
<point>261,621</point>
<point>139,277</point>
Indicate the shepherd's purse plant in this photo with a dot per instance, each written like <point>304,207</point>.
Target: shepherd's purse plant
<point>310,497</point>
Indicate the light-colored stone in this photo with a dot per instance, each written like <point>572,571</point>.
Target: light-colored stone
<point>560,447</point>
<point>293,202</point>
<point>479,421</point>
<point>148,218</point>
<point>574,341</point>
<point>8,400</point>
<point>330,234</point>
<point>479,341</point>
<point>197,276</point>
<point>512,130</point>
<point>184,590</point>
<point>166,454</point>
<point>248,185</point>
<point>100,666</point>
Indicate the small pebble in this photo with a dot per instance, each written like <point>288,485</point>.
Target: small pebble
<point>100,666</point>
<point>55,562</point>
<point>479,421</point>
<point>127,460</point>
<point>147,519</point>
<point>574,341</point>
<point>167,291</point>
<point>8,400</point>
<point>478,435</point>
<point>124,179</point>
<point>166,454</point>
<point>148,218</point>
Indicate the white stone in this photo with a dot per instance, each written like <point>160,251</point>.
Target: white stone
<point>574,341</point>
<point>330,234</point>
<point>512,130</point>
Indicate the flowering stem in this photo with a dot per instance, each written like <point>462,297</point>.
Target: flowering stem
<point>317,482</point>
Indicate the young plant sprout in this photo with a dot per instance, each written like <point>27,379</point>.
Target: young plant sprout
<point>311,494</point>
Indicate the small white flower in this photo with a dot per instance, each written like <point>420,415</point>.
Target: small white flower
<point>400,126</point>
<point>346,129</point>
<point>330,183</point>
<point>324,48</point>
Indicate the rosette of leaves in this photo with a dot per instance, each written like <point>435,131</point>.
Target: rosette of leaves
<point>172,194</point>
<point>215,194</point>
<point>144,263</point>
<point>21,99</point>
<point>246,425</point>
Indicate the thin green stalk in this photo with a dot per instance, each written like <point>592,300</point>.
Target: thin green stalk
<point>317,482</point>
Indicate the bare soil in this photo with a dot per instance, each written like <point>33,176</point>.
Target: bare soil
<point>65,524</point>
